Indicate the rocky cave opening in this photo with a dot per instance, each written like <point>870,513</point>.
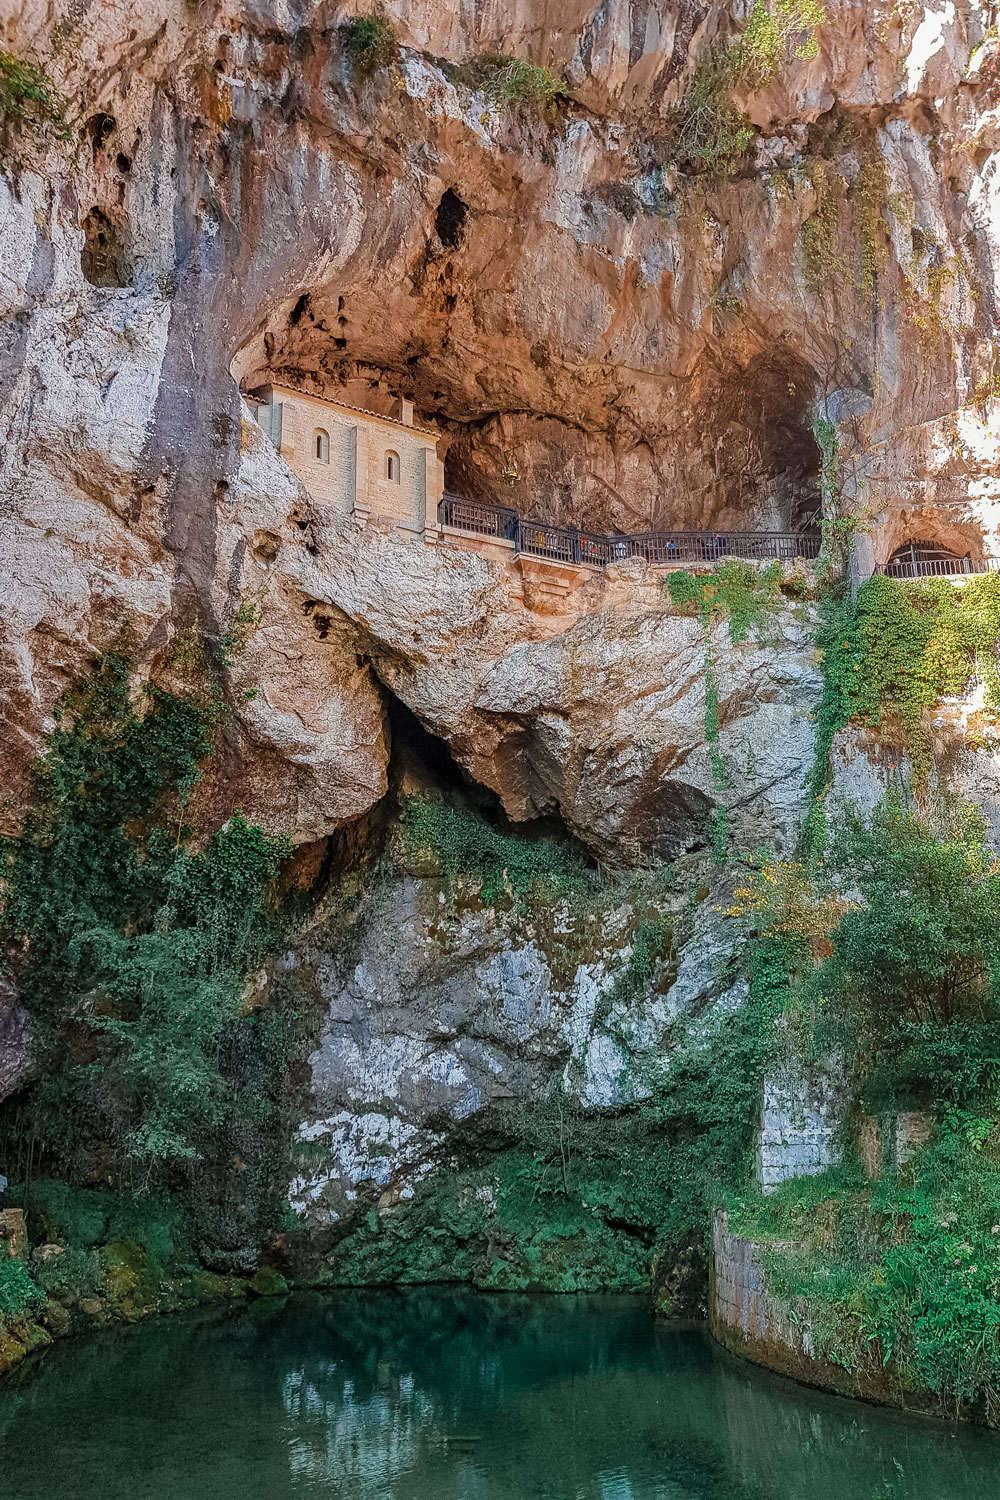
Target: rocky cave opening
<point>741,456</point>
<point>104,258</point>
<point>449,220</point>
<point>421,764</point>
<point>761,458</point>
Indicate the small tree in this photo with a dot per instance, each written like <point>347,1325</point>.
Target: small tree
<point>913,982</point>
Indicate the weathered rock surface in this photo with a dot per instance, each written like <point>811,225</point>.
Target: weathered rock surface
<point>866,768</point>
<point>267,210</point>
<point>598,713</point>
<point>15,1042</point>
<point>437,1010</point>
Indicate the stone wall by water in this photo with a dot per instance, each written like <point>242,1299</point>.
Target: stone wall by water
<point>748,1319</point>
<point>745,1317</point>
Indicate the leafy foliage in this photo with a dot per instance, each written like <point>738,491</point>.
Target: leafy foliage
<point>773,31</point>
<point>905,645</point>
<point>822,263</point>
<point>906,1269</point>
<point>511,866</point>
<point>20,1294</point>
<point>912,986</point>
<point>734,591</point>
<point>515,81</point>
<point>371,42</point>
<point>131,949</point>
<point>709,130</point>
<point>28,95</point>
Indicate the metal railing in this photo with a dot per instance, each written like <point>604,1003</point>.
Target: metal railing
<point>939,567</point>
<point>590,549</point>
<point>472,515</point>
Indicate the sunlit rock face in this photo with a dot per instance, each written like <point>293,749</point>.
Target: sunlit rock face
<point>600,338</point>
<point>435,1013</point>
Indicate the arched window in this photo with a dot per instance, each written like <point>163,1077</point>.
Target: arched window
<point>392,466</point>
<point>321,446</point>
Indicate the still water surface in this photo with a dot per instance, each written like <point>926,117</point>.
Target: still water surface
<point>448,1395</point>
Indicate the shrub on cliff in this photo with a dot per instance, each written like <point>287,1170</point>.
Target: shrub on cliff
<point>28,95</point>
<point>512,80</point>
<point>371,42</point>
<point>709,130</point>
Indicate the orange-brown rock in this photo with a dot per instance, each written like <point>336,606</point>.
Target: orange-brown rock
<point>601,333</point>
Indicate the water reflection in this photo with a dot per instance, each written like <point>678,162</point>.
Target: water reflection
<point>448,1395</point>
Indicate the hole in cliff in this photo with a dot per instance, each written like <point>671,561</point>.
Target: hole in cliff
<point>123,162</point>
<point>103,259</point>
<point>449,221</point>
<point>422,764</point>
<point>100,128</point>
<point>301,307</point>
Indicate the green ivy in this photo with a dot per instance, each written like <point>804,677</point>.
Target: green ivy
<point>734,591</point>
<point>131,948</point>
<point>889,656</point>
<point>906,645</point>
<point>903,1272</point>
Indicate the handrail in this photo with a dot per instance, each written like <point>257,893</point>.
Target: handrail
<point>939,567</point>
<point>591,549</point>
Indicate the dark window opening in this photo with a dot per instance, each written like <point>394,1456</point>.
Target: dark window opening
<point>100,128</point>
<point>929,560</point>
<point>449,221</point>
<point>103,259</point>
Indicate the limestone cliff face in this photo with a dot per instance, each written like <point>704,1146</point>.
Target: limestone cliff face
<point>603,336</point>
<point>243,202</point>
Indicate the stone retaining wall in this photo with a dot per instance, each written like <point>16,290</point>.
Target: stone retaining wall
<point>749,1320</point>
<point>745,1317</point>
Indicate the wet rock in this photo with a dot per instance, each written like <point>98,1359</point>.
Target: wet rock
<point>15,1042</point>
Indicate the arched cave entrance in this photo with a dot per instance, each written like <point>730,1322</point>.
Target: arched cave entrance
<point>923,559</point>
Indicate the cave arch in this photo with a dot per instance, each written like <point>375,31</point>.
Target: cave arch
<point>926,559</point>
